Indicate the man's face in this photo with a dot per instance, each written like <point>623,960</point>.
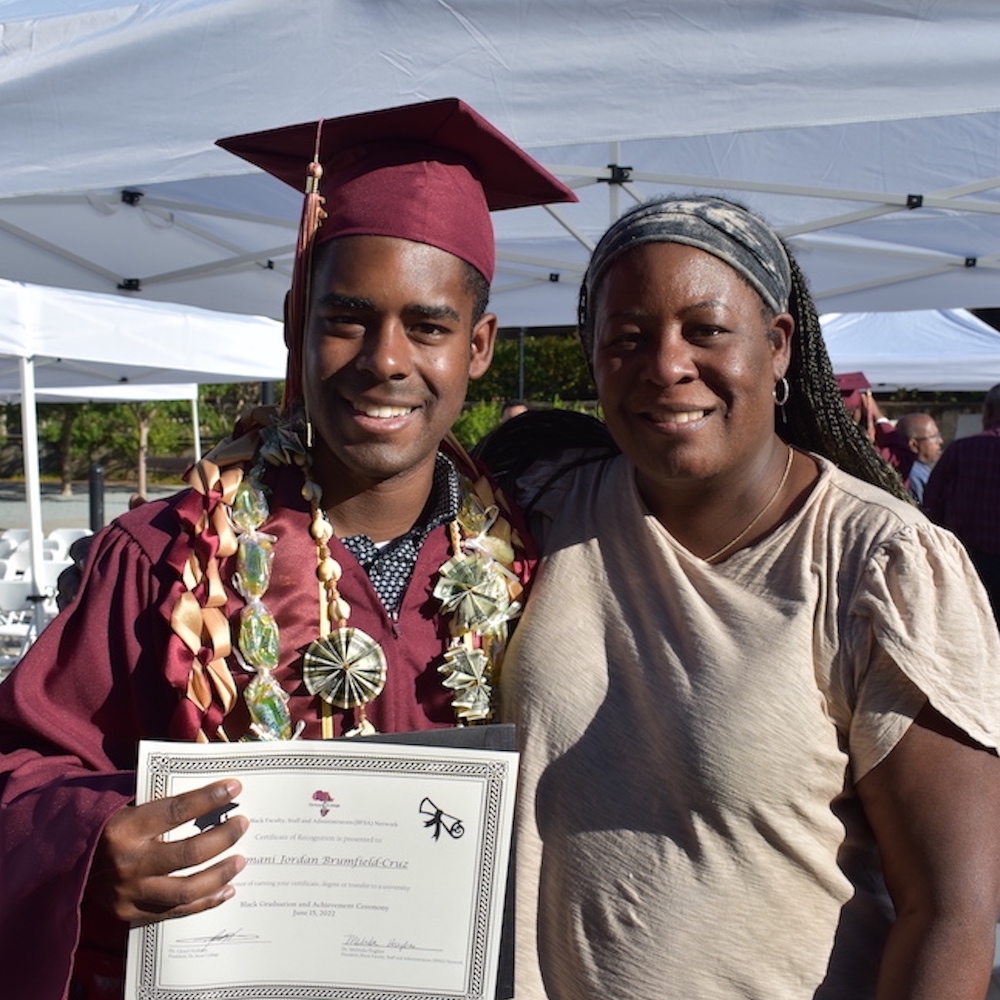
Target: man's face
<point>926,441</point>
<point>390,345</point>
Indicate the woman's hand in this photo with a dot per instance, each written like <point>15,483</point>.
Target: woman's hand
<point>132,875</point>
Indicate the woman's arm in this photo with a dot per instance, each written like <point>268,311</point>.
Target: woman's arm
<point>934,807</point>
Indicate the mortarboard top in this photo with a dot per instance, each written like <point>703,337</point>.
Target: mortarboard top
<point>852,385</point>
<point>429,172</point>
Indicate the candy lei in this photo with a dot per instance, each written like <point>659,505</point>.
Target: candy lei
<point>345,667</point>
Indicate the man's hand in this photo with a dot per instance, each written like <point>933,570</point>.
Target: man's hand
<point>132,874</point>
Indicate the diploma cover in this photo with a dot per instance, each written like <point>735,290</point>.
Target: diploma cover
<point>375,869</point>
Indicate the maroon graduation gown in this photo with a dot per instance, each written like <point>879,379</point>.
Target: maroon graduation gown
<point>95,683</point>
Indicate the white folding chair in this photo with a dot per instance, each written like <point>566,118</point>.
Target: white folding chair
<point>68,535</point>
<point>17,621</point>
<point>53,548</point>
<point>48,584</point>
<point>18,562</point>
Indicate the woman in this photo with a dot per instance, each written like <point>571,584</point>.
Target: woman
<point>746,675</point>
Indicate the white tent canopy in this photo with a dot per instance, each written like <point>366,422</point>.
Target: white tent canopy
<point>57,340</point>
<point>928,349</point>
<point>865,131</point>
<point>84,339</point>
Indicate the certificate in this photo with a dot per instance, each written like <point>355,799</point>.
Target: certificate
<point>373,870</point>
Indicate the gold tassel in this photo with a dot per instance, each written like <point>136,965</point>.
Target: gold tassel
<point>298,300</point>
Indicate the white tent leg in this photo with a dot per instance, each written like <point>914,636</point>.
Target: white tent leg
<point>32,487</point>
<point>196,426</point>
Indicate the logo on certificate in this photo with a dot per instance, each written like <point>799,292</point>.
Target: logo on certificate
<point>323,801</point>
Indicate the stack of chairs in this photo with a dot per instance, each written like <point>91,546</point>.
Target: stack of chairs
<point>26,604</point>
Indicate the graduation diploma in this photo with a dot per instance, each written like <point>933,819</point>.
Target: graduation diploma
<point>373,869</point>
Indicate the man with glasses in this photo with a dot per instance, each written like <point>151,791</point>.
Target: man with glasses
<point>925,441</point>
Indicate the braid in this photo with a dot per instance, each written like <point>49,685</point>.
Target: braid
<point>814,418</point>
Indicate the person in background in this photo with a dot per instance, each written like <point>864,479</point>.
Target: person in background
<point>328,529</point>
<point>68,582</point>
<point>920,431</point>
<point>512,408</point>
<point>756,688</point>
<point>856,395</point>
<point>963,494</point>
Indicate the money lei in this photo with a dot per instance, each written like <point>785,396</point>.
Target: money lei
<point>472,588</point>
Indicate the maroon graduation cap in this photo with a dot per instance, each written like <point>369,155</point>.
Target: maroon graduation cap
<point>852,385</point>
<point>429,172</point>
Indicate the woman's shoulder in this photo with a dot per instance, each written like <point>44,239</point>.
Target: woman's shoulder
<point>846,497</point>
<point>869,522</point>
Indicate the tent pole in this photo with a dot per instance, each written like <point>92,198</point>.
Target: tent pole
<point>196,426</point>
<point>32,487</point>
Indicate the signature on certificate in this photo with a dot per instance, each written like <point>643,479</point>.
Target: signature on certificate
<point>393,944</point>
<point>221,937</point>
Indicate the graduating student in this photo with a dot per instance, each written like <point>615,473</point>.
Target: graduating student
<point>309,581</point>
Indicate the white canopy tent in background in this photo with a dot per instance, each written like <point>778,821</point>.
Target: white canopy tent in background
<point>57,340</point>
<point>926,349</point>
<point>865,131</point>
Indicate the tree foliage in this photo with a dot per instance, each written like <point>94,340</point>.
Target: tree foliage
<point>554,366</point>
<point>77,435</point>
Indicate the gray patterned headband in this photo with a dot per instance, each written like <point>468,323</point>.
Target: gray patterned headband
<point>719,227</point>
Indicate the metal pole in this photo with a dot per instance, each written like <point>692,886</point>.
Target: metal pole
<point>196,427</point>
<point>613,189</point>
<point>29,443</point>
<point>96,497</point>
<point>520,361</point>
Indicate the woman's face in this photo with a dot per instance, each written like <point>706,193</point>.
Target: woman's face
<point>686,362</point>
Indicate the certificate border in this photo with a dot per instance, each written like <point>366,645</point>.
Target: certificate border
<point>163,765</point>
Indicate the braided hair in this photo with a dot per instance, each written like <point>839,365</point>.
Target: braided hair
<point>814,418</point>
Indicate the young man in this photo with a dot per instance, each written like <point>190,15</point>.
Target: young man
<point>324,538</point>
<point>856,395</point>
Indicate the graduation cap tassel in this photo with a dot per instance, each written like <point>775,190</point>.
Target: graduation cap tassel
<point>298,305</point>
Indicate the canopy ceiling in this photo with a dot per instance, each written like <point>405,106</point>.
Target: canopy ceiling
<point>865,130</point>
<point>10,392</point>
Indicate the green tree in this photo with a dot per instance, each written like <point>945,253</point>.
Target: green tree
<point>222,405</point>
<point>553,366</point>
<point>475,421</point>
<point>119,436</point>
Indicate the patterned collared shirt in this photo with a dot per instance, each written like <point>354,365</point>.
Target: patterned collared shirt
<point>389,566</point>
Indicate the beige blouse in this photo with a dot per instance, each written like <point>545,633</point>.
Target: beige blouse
<point>688,823</point>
